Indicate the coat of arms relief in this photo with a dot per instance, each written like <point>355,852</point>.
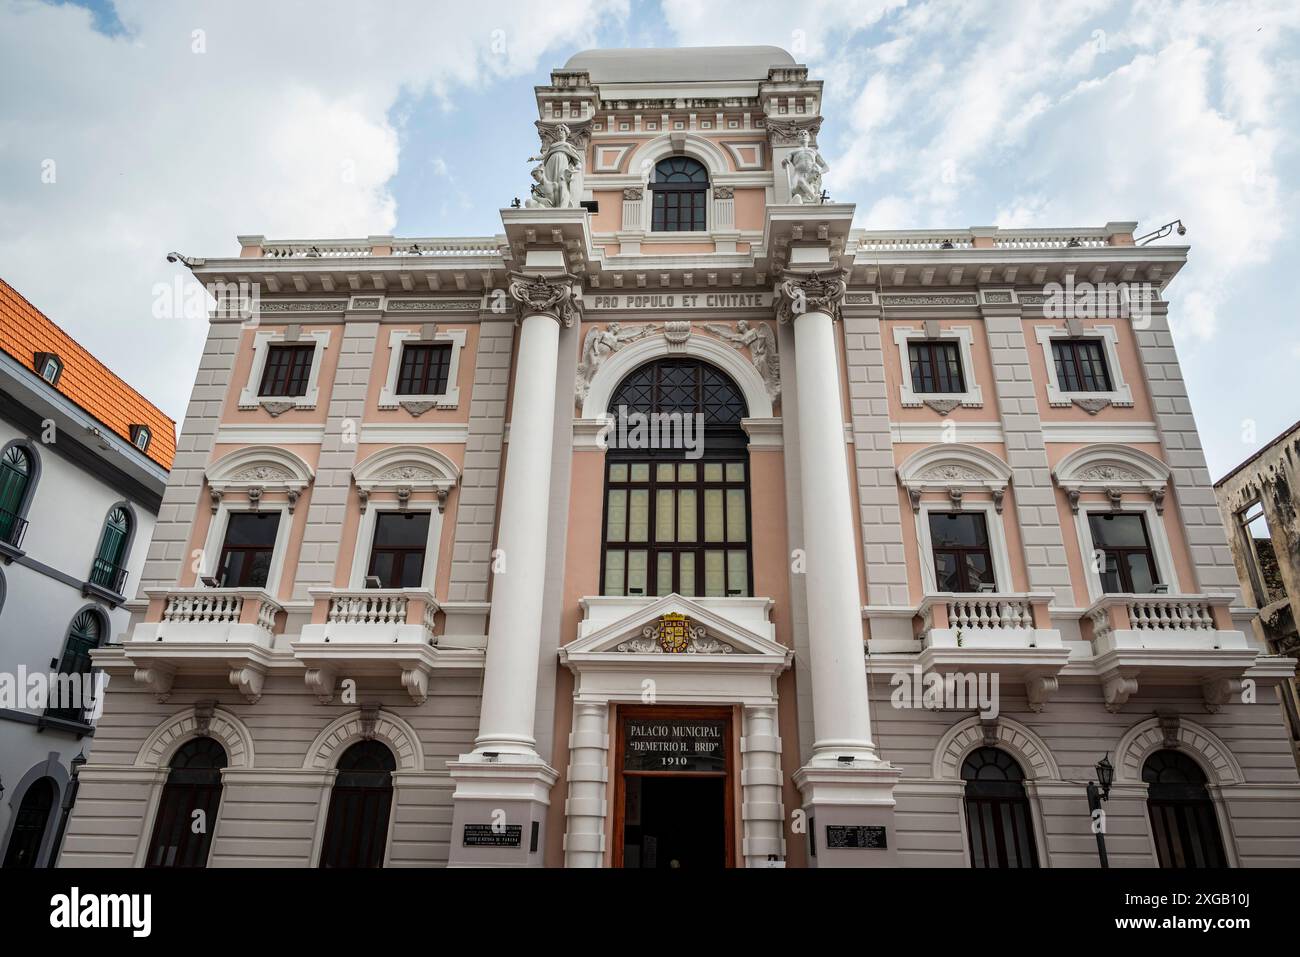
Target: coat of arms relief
<point>674,635</point>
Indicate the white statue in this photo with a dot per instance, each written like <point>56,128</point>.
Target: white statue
<point>762,350</point>
<point>599,345</point>
<point>803,171</point>
<point>553,179</point>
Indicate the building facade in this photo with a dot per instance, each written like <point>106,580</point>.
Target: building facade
<point>1260,503</point>
<point>683,524</point>
<point>83,463</point>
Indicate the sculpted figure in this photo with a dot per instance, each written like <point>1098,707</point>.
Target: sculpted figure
<point>762,350</point>
<point>599,345</point>
<point>553,186</point>
<point>803,171</point>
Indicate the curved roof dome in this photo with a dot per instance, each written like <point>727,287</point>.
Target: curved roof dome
<point>681,64</point>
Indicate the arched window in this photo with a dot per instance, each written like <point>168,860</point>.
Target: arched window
<point>356,830</point>
<point>108,570</point>
<point>679,187</point>
<point>187,812</point>
<point>84,635</point>
<point>677,484</point>
<point>29,825</point>
<point>998,822</point>
<point>1183,821</point>
<point>17,470</point>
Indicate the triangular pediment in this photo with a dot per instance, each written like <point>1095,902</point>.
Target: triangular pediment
<point>676,626</point>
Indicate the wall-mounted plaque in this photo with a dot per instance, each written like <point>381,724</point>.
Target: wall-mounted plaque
<point>493,835</point>
<point>855,835</point>
<point>674,744</point>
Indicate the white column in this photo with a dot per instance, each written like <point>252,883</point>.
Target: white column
<point>514,629</point>
<point>584,837</point>
<point>761,779</point>
<point>841,719</point>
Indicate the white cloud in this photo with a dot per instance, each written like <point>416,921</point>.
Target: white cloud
<point>283,125</point>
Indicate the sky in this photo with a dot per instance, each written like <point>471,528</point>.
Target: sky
<point>132,128</point>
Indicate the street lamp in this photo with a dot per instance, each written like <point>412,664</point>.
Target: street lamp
<point>1099,791</point>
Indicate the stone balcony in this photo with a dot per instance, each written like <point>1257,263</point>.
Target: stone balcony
<point>376,632</point>
<point>240,615</point>
<point>1009,634</point>
<point>227,631</point>
<point>1167,639</point>
<point>372,615</point>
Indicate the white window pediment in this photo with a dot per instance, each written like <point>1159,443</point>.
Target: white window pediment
<point>954,467</point>
<point>265,468</point>
<point>1108,467</point>
<point>412,469</point>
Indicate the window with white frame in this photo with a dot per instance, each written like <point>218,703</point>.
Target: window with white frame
<point>1125,560</point>
<point>285,371</point>
<point>937,366</point>
<point>397,551</point>
<point>423,369</point>
<point>1083,367</point>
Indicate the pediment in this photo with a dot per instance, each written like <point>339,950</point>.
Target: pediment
<point>676,627</point>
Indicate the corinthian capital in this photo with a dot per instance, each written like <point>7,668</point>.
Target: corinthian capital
<point>800,292</point>
<point>540,295</point>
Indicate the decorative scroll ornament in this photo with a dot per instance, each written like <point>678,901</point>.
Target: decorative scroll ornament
<point>1109,473</point>
<point>810,292</point>
<point>261,473</point>
<point>598,346</point>
<point>539,294</point>
<point>951,473</point>
<point>803,171</point>
<point>674,635</point>
<point>1090,405</point>
<point>762,350</point>
<point>557,179</point>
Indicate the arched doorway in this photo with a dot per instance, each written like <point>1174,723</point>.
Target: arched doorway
<point>356,830</point>
<point>30,824</point>
<point>999,825</point>
<point>187,811</point>
<point>677,484</point>
<point>1183,822</point>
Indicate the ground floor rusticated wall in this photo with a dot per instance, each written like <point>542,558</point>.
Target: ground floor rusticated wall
<point>283,748</point>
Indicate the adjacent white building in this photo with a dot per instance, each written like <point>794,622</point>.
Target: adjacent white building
<point>83,462</point>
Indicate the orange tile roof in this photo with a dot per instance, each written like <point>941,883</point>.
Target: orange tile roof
<point>25,330</point>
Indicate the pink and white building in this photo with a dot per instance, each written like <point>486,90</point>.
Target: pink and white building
<point>895,536</point>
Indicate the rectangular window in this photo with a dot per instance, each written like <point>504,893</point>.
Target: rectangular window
<point>248,549</point>
<point>677,526</point>
<point>936,366</point>
<point>1124,556</point>
<point>397,553</point>
<point>424,369</point>
<point>288,369</point>
<point>1081,365</point>
<point>960,543</point>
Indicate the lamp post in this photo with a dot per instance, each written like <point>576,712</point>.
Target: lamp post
<point>1099,791</point>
